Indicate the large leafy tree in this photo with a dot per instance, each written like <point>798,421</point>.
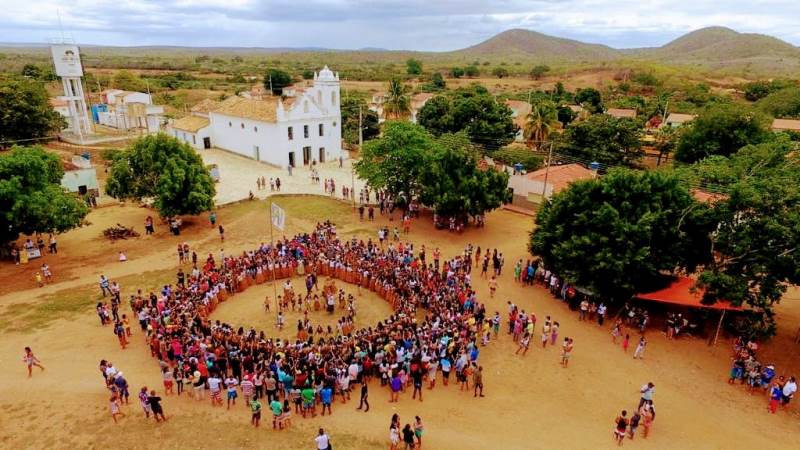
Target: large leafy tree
<point>590,99</point>
<point>721,129</point>
<point>539,71</point>
<point>454,186</point>
<point>487,122</point>
<point>369,120</point>
<point>398,102</point>
<point>608,140</point>
<point>615,235</point>
<point>784,103</point>
<point>25,112</point>
<point>395,160</point>
<point>276,79</point>
<point>128,81</point>
<point>164,169</point>
<point>31,196</point>
<point>541,121</point>
<point>756,241</point>
<point>414,66</point>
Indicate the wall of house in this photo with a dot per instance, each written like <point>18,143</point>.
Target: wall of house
<point>72,179</point>
<point>193,139</point>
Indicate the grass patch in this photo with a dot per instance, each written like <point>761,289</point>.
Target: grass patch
<point>66,304</point>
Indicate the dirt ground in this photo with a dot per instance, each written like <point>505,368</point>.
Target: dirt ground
<point>530,402</point>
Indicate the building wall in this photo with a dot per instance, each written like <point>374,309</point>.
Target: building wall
<point>193,139</point>
<point>72,179</point>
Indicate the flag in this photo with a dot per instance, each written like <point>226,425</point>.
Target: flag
<point>278,216</point>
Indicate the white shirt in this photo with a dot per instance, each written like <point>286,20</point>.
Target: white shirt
<point>789,389</point>
<point>322,441</point>
<point>213,383</point>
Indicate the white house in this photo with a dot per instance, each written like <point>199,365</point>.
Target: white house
<point>290,130</point>
<point>127,109</point>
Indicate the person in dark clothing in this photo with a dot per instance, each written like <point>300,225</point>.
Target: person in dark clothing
<point>364,397</point>
<point>155,406</point>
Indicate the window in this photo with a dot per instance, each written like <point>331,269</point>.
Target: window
<point>194,140</point>
<point>290,133</point>
<point>255,129</point>
<point>321,130</point>
<point>305,131</point>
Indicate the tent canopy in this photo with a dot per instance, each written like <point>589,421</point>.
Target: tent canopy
<point>680,292</point>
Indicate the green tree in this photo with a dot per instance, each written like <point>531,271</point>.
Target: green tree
<point>756,90</point>
<point>487,122</point>
<point>457,72</point>
<point>369,120</point>
<point>666,138</point>
<point>414,66</point>
<point>590,99</point>
<point>565,115</point>
<point>784,103</point>
<point>472,71</point>
<point>275,80</point>
<point>437,81</point>
<point>605,139</point>
<point>164,169</point>
<point>615,235</point>
<point>500,72</point>
<point>539,71</point>
<point>398,102</point>
<point>25,112</point>
<point>720,129</point>
<point>308,74</point>
<point>512,155</point>
<point>128,81</point>
<point>31,197</point>
<point>31,71</point>
<point>541,121</point>
<point>454,186</point>
<point>394,161</point>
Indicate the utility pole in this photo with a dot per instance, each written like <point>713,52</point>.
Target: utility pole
<point>360,144</point>
<point>270,84</point>
<point>547,172</point>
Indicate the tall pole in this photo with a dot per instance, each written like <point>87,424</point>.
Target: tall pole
<point>274,262</point>
<point>547,172</point>
<point>360,143</point>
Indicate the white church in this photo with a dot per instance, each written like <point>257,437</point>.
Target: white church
<point>302,126</point>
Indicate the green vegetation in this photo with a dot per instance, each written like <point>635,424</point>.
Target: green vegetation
<point>487,122</point>
<point>275,80</point>
<point>539,71</point>
<point>590,99</point>
<point>410,163</point>
<point>25,112</point>
<point>31,197</point>
<point>784,103</point>
<point>164,169</point>
<point>369,120</point>
<point>413,66</point>
<point>604,139</point>
<point>500,72</point>
<point>720,130</point>
<point>542,120</point>
<point>512,155</point>
<point>398,102</point>
<point>616,234</point>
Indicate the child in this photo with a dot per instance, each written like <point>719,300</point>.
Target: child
<point>775,395</point>
<point>31,360</point>
<point>626,342</point>
<point>126,323</point>
<point>115,409</point>
<point>647,420</point>
<point>255,408</point>
<point>167,376</point>
<point>155,406</point>
<point>639,353</point>
<point>144,402</point>
<point>634,424</point>
<point>230,384</point>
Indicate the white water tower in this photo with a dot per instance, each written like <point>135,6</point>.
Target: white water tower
<point>67,62</point>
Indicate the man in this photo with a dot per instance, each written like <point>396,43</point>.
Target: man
<point>215,386</point>
<point>788,392</point>
<point>364,397</point>
<point>255,407</point>
<point>104,285</point>
<point>647,390</point>
<point>322,440</point>
<point>277,410</point>
<point>477,381</point>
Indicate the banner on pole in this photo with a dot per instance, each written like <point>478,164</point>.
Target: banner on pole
<point>278,216</point>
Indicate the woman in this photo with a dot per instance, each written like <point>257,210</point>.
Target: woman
<point>31,360</point>
<point>394,436</point>
<point>418,430</point>
<point>621,426</point>
<point>408,437</point>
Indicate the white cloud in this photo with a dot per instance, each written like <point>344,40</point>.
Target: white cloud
<point>395,24</point>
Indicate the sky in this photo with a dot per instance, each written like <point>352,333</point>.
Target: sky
<point>425,25</point>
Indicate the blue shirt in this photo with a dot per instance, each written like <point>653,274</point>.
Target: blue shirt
<point>326,395</point>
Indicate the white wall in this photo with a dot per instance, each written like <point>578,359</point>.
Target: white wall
<point>193,139</point>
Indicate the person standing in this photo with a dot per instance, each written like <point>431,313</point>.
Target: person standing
<point>621,426</point>
<point>419,429</point>
<point>255,408</point>
<point>155,406</point>
<point>477,381</point>
<point>639,352</point>
<point>322,440</point>
<point>104,285</point>
<point>601,314</point>
<point>364,397</point>
<point>566,351</point>
<point>647,390</point>
<point>789,389</point>
<point>31,360</point>
<point>221,233</point>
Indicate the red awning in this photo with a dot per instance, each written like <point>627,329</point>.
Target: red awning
<point>679,292</point>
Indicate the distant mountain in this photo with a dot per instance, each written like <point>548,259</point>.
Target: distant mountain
<point>526,43</point>
<point>720,47</point>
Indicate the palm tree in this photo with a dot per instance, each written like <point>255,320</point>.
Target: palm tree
<point>398,103</point>
<point>542,120</point>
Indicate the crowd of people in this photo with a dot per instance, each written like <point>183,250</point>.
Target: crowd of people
<point>644,415</point>
<point>308,374</point>
<point>758,377</point>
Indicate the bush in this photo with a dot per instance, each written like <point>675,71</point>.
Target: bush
<point>513,155</point>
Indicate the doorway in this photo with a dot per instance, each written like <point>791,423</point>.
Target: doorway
<point>322,154</point>
<point>291,159</point>
<point>306,155</point>
<point>206,142</point>
<point>256,153</point>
